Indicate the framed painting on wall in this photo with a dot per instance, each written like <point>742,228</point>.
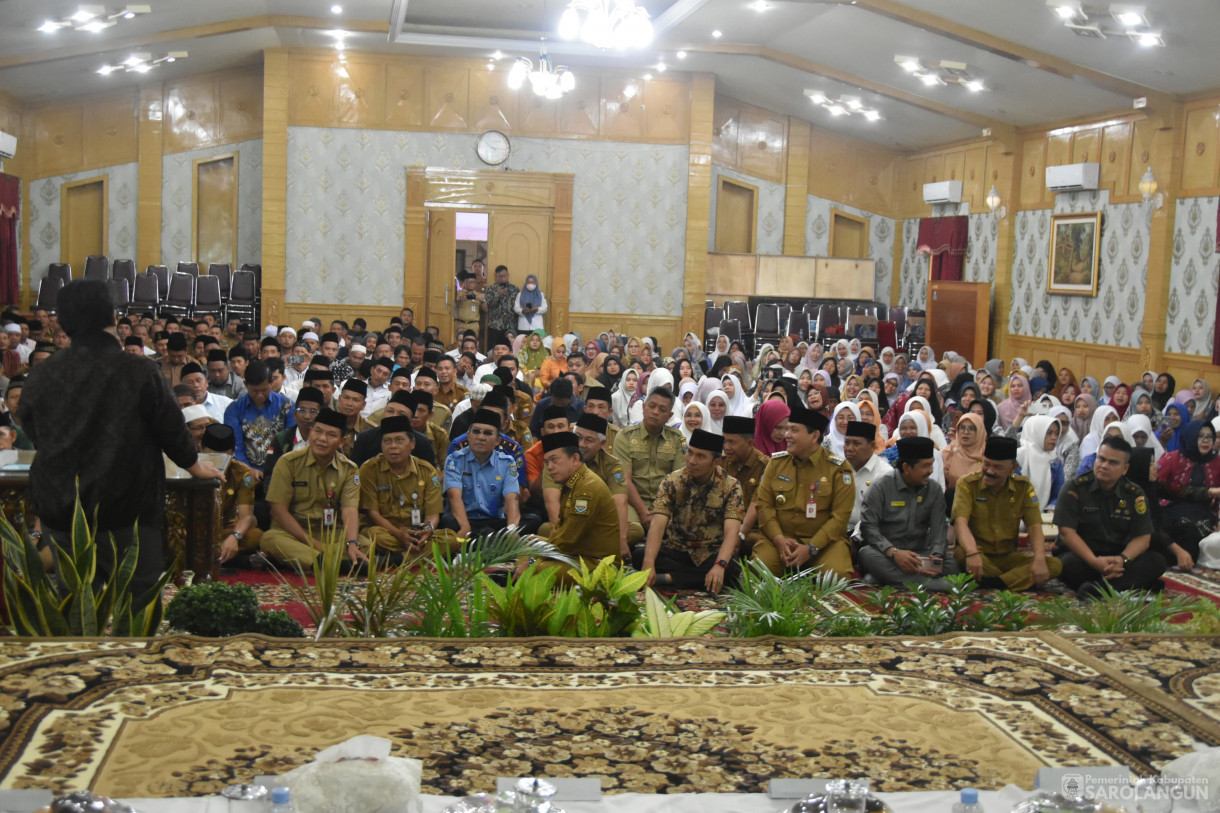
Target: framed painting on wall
<point>1075,253</point>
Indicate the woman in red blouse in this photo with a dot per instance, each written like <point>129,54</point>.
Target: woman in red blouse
<point>1189,480</point>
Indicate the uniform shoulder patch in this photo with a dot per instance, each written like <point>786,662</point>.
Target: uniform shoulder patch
<point>247,481</point>
<point>778,455</point>
<point>618,476</point>
<point>356,479</point>
<point>834,458</point>
<point>580,506</point>
<point>436,481</point>
<point>1141,505</point>
<point>846,479</point>
<point>512,470</point>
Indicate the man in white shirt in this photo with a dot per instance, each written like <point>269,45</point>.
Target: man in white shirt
<point>194,377</point>
<point>379,387</point>
<point>858,442</point>
<point>16,342</point>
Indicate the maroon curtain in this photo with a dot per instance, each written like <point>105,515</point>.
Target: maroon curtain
<point>945,238</point>
<point>10,212</point>
<point>1216,333</point>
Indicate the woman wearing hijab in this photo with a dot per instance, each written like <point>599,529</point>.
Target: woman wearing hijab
<point>835,434</point>
<point>686,394</point>
<point>919,403</point>
<point>871,413</point>
<point>915,424</point>
<point>717,408</point>
<point>620,398</point>
<point>694,351</point>
<point>1175,419</point>
<point>1143,473</point>
<point>886,358</point>
<point>1083,408</point>
<point>1103,416</point>
<point>1064,378</point>
<point>1141,404</point>
<point>529,305</point>
<point>1016,403</point>
<point>722,349</point>
<point>1202,392</point>
<point>656,380</point>
<point>1038,458</point>
<point>1189,483</point>
<point>1068,447</point>
<point>694,416</point>
<point>1143,435</point>
<point>535,352</point>
<point>1090,386</point>
<point>1162,390</point>
<point>768,425</point>
<point>555,365</point>
<point>1107,388</point>
<point>812,358</point>
<point>739,401</point>
<point>611,372</point>
<point>1120,399</point>
<point>965,454</point>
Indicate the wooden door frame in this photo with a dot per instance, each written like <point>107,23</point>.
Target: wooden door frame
<point>722,180</point>
<point>198,162</point>
<point>863,221</point>
<point>63,213</point>
<point>430,188</point>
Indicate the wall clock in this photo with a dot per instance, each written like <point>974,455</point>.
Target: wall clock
<point>493,148</point>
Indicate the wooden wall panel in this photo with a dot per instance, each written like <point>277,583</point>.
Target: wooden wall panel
<point>731,275</point>
<point>1202,137</point>
<point>934,168</point>
<point>622,108</point>
<point>1058,149</point>
<point>832,161</point>
<point>1086,146</point>
<point>666,109</point>
<point>726,121</point>
<point>191,109</point>
<point>241,107</point>
<point>1115,154</point>
<point>311,98</point>
<point>1144,152</point>
<point>537,116</point>
<point>58,139</point>
<point>955,167</point>
<point>404,95</point>
<point>360,92</point>
<point>580,112</point>
<point>447,97</point>
<point>493,105</point>
<point>975,183</point>
<point>873,180</point>
<point>1033,173</point>
<point>109,130</point>
<point>762,143</point>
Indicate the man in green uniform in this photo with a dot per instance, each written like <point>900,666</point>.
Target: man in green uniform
<point>400,494</point>
<point>238,532</point>
<point>588,519</point>
<point>350,402</point>
<point>649,451</point>
<point>312,491</point>
<point>597,402</point>
<point>804,502</point>
<point>697,519</point>
<point>988,507</point>
<point>424,424</point>
<point>1104,522</point>
<point>591,432</point>
<point>746,465</point>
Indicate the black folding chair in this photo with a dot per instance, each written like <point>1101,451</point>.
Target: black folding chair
<point>48,293</point>
<point>147,295</point>
<point>189,268</point>
<point>162,275</point>
<point>181,297</point>
<point>207,297</point>
<point>97,267</point>
<point>124,269</point>
<point>224,273</point>
<point>61,271</point>
<point>243,297</point>
<point>120,294</point>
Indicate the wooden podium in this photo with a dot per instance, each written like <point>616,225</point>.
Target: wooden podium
<point>959,318</point>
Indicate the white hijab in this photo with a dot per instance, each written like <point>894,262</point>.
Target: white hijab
<point>739,404</point>
<point>1141,423</point>
<point>938,437</point>
<point>833,435</point>
<point>1097,427</point>
<point>885,365</point>
<point>657,378</point>
<point>679,408</point>
<point>1067,437</point>
<point>1032,457</point>
<point>717,426</point>
<point>923,421</point>
<point>620,400</point>
<point>926,363</point>
<point>707,419</point>
<point>853,349</point>
<point>715,354</point>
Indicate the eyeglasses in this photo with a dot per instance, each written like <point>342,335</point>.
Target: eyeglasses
<point>303,411</point>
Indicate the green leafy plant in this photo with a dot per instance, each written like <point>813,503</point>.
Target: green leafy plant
<point>325,598</point>
<point>41,607</point>
<point>766,604</point>
<point>607,594</point>
<point>921,612</point>
<point>1111,611</point>
<point>661,620</point>
<point>526,605</point>
<point>217,610</point>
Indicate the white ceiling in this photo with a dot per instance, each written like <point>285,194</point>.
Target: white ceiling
<point>855,41</point>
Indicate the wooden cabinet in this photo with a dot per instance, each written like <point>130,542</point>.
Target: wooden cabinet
<point>959,318</point>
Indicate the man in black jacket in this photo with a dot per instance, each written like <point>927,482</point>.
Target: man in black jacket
<point>102,417</point>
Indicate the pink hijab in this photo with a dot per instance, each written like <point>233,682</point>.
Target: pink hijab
<point>770,415</point>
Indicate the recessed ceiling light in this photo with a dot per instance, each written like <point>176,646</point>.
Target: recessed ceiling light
<point>717,34</point>
<point>336,9</point>
<point>1066,12</point>
<point>930,79</point>
<point>661,67</point>
<point>648,77</point>
<point>105,70</point>
<point>630,90</point>
<point>497,55</point>
<point>975,85</point>
<point>129,15</point>
<point>872,115</point>
<point>96,26</point>
<point>49,27</point>
<point>837,110</point>
<point>82,16</point>
<point>339,46</point>
<point>1129,16</point>
<point>681,55</point>
<point>1148,40</point>
<point>760,5</point>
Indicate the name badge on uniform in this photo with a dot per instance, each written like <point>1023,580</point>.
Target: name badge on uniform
<point>328,517</point>
<point>811,509</point>
<point>416,516</point>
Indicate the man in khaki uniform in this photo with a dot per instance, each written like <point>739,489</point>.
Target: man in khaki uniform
<point>804,501</point>
<point>312,491</point>
<point>448,391</point>
<point>350,402</point>
<point>400,494</point>
<point>698,509</point>
<point>597,402</point>
<point>238,532</point>
<point>746,465</point>
<point>649,451</point>
<point>588,518</point>
<point>988,507</point>
<point>424,424</point>
<point>425,381</point>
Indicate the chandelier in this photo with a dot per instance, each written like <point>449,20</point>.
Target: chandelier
<point>843,105</point>
<point>615,24</point>
<point>545,79</point>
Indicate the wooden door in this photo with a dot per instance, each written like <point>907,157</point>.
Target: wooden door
<point>848,236</point>
<point>215,211</point>
<point>83,223</point>
<point>442,253</point>
<point>736,215</point>
<point>522,241</point>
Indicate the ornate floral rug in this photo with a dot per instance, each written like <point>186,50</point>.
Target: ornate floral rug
<point>183,716</point>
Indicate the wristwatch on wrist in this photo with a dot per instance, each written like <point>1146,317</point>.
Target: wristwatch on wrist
<point>814,550</point>
<point>722,562</point>
<point>1126,561</point>
<point>353,542</point>
<point>238,535</point>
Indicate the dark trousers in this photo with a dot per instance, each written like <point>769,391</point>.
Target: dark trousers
<point>149,561</point>
<point>681,568</point>
<point>1141,573</point>
<point>530,523</point>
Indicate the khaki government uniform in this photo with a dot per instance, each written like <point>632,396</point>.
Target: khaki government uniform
<point>523,408</point>
<point>782,496</point>
<point>588,520</point>
<point>441,414</point>
<point>466,313</point>
<point>452,398</point>
<point>749,475</point>
<point>307,488</point>
<point>394,496</point>
<point>995,521</point>
<point>648,459</point>
<point>610,470</point>
<point>238,490</point>
<point>349,435</point>
<point>520,432</point>
<point>440,442</point>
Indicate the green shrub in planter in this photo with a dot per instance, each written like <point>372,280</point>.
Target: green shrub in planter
<point>278,624</point>
<point>217,610</point>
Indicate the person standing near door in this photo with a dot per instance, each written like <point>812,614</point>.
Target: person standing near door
<point>468,307</point>
<point>501,299</point>
<point>530,306</point>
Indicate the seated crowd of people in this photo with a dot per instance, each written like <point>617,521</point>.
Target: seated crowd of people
<point>683,462</point>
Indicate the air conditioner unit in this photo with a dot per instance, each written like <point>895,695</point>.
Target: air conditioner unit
<point>1072,177</point>
<point>8,145</point>
<point>943,192</point>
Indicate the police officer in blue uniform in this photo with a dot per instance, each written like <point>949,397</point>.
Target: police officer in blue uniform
<point>481,483</point>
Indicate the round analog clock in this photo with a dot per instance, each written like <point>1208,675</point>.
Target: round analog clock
<point>493,147</point>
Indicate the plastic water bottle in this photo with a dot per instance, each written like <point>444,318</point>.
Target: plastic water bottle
<point>281,801</point>
<point>969,802</point>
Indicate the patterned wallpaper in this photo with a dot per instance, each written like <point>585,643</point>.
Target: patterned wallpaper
<point>913,274</point>
<point>1190,317</point>
<point>980,253</point>
<point>882,231</point>
<point>44,217</point>
<point>176,201</point>
<point>769,237</point>
<point>347,199</point>
<point>1115,316</point>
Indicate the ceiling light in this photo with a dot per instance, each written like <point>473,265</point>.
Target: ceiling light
<point>930,79</point>
<point>82,16</point>
<point>336,9</point>
<point>1066,9</point>
<point>837,110</point>
<point>660,67</point>
<point>681,55</point>
<point>843,106</point>
<point>94,19</point>
<point>631,90</point>
<point>96,27</point>
<point>871,115</point>
<point>142,62</point>
<point>129,15</point>
<point>1130,16</point>
<point>760,5</point>
<point>942,72</point>
<point>648,77</point>
<point>975,85</point>
<point>717,34</point>
<point>817,97</point>
<point>50,27</point>
<point>106,69</point>
<point>852,102</point>
<point>1149,39</point>
<point>618,24</point>
<point>498,55</point>
<point>339,46</point>
<point>546,79</point>
<point>1117,21</point>
<point>1065,12</point>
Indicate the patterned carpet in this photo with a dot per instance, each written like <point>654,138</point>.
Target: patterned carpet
<point>183,716</point>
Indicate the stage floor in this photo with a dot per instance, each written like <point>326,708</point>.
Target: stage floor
<point>181,716</point>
